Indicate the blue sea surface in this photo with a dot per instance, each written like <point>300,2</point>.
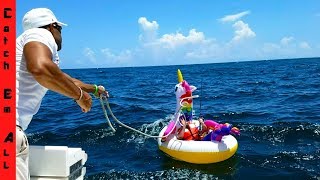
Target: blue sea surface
<point>275,104</point>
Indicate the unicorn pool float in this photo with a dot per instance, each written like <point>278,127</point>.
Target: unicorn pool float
<point>217,145</point>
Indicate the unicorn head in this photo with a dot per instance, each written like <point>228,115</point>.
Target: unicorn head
<point>183,90</point>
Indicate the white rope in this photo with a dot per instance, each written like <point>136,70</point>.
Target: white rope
<point>106,115</point>
<point>104,99</point>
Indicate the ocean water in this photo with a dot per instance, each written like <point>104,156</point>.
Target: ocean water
<point>275,104</point>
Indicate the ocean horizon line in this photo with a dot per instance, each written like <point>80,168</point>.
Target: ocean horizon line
<point>242,61</point>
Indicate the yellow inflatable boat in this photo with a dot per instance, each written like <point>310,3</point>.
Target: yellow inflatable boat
<point>198,152</point>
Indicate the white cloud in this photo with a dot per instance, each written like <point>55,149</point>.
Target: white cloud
<point>270,48</point>
<point>233,17</point>
<point>90,54</point>
<point>147,25</point>
<point>168,47</point>
<point>178,39</point>
<point>149,29</point>
<point>210,50</point>
<point>194,46</point>
<point>285,41</point>
<point>122,57</point>
<point>174,48</point>
<point>242,31</point>
<point>288,47</point>
<point>304,45</point>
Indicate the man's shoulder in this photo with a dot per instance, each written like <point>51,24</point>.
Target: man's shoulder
<point>37,31</point>
<point>37,34</point>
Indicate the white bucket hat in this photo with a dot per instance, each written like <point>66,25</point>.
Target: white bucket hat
<point>39,17</point>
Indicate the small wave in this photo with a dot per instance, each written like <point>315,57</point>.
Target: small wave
<point>286,163</point>
<point>167,174</point>
<point>282,132</point>
<point>98,133</point>
<point>294,155</point>
<point>152,129</point>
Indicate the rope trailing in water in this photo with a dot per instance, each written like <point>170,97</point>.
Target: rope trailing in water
<point>104,101</point>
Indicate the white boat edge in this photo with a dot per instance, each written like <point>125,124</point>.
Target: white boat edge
<point>56,162</point>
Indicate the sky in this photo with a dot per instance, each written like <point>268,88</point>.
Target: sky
<point>119,33</point>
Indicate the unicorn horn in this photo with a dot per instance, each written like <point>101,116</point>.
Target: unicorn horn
<point>180,77</point>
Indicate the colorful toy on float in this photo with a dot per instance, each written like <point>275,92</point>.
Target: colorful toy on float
<point>218,145</point>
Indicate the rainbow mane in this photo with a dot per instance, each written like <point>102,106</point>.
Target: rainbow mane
<point>183,90</point>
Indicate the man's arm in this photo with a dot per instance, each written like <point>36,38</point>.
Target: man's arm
<point>86,87</point>
<point>39,64</point>
<point>90,88</point>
